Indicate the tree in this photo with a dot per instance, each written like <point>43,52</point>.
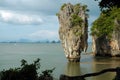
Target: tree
<point>108,4</point>
<point>26,72</point>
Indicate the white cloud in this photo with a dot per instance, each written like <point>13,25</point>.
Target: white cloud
<point>44,35</point>
<point>18,18</point>
<point>35,12</point>
<point>43,6</point>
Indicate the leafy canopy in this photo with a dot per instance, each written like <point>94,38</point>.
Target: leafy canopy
<point>108,4</point>
<point>76,20</point>
<point>104,25</point>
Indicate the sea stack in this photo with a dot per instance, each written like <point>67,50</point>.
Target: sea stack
<point>106,34</point>
<point>73,30</point>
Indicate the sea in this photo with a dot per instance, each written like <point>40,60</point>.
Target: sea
<point>52,56</point>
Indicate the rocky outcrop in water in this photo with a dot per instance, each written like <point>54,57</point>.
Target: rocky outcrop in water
<point>106,40</point>
<point>73,31</point>
<point>101,46</point>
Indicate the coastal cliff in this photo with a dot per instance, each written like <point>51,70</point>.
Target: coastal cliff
<point>73,30</point>
<point>106,34</point>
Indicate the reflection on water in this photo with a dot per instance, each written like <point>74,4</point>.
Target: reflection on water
<point>104,63</point>
<point>72,69</point>
<point>95,65</point>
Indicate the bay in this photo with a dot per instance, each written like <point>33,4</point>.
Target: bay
<point>52,55</point>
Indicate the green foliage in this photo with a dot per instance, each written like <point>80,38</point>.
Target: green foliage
<point>104,25</point>
<point>77,8</point>
<point>45,74</point>
<point>63,6</point>
<point>76,20</point>
<point>57,14</point>
<point>25,72</point>
<point>77,30</point>
<point>108,4</point>
<point>23,62</point>
<point>85,8</point>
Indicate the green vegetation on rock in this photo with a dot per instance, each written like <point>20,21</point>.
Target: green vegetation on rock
<point>105,25</point>
<point>77,30</point>
<point>77,8</point>
<point>57,14</point>
<point>63,6</point>
<point>76,20</point>
<point>85,8</point>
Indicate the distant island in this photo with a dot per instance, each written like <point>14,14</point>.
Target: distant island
<point>46,41</point>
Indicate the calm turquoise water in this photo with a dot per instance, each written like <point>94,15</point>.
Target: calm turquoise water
<point>52,55</point>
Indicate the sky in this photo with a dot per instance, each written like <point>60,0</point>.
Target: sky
<point>36,20</point>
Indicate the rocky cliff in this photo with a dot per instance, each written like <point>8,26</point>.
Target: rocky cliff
<point>73,30</point>
<point>106,34</point>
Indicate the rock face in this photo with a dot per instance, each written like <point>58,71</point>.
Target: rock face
<point>73,31</point>
<point>102,46</point>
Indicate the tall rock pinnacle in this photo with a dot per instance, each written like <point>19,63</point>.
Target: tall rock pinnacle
<point>73,30</point>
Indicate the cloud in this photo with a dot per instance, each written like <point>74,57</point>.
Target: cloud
<point>45,7</point>
<point>32,13</point>
<point>49,7</point>
<point>44,35</point>
<point>38,6</point>
<point>19,18</point>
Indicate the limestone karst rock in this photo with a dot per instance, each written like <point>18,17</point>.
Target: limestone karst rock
<point>106,34</point>
<point>73,30</point>
<point>102,46</point>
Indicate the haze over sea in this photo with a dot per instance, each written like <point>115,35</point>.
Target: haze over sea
<point>52,55</point>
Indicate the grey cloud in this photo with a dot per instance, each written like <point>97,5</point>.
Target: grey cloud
<point>42,6</point>
<point>45,7</point>
<point>50,7</point>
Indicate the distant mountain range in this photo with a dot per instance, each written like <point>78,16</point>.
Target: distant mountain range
<point>29,41</point>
